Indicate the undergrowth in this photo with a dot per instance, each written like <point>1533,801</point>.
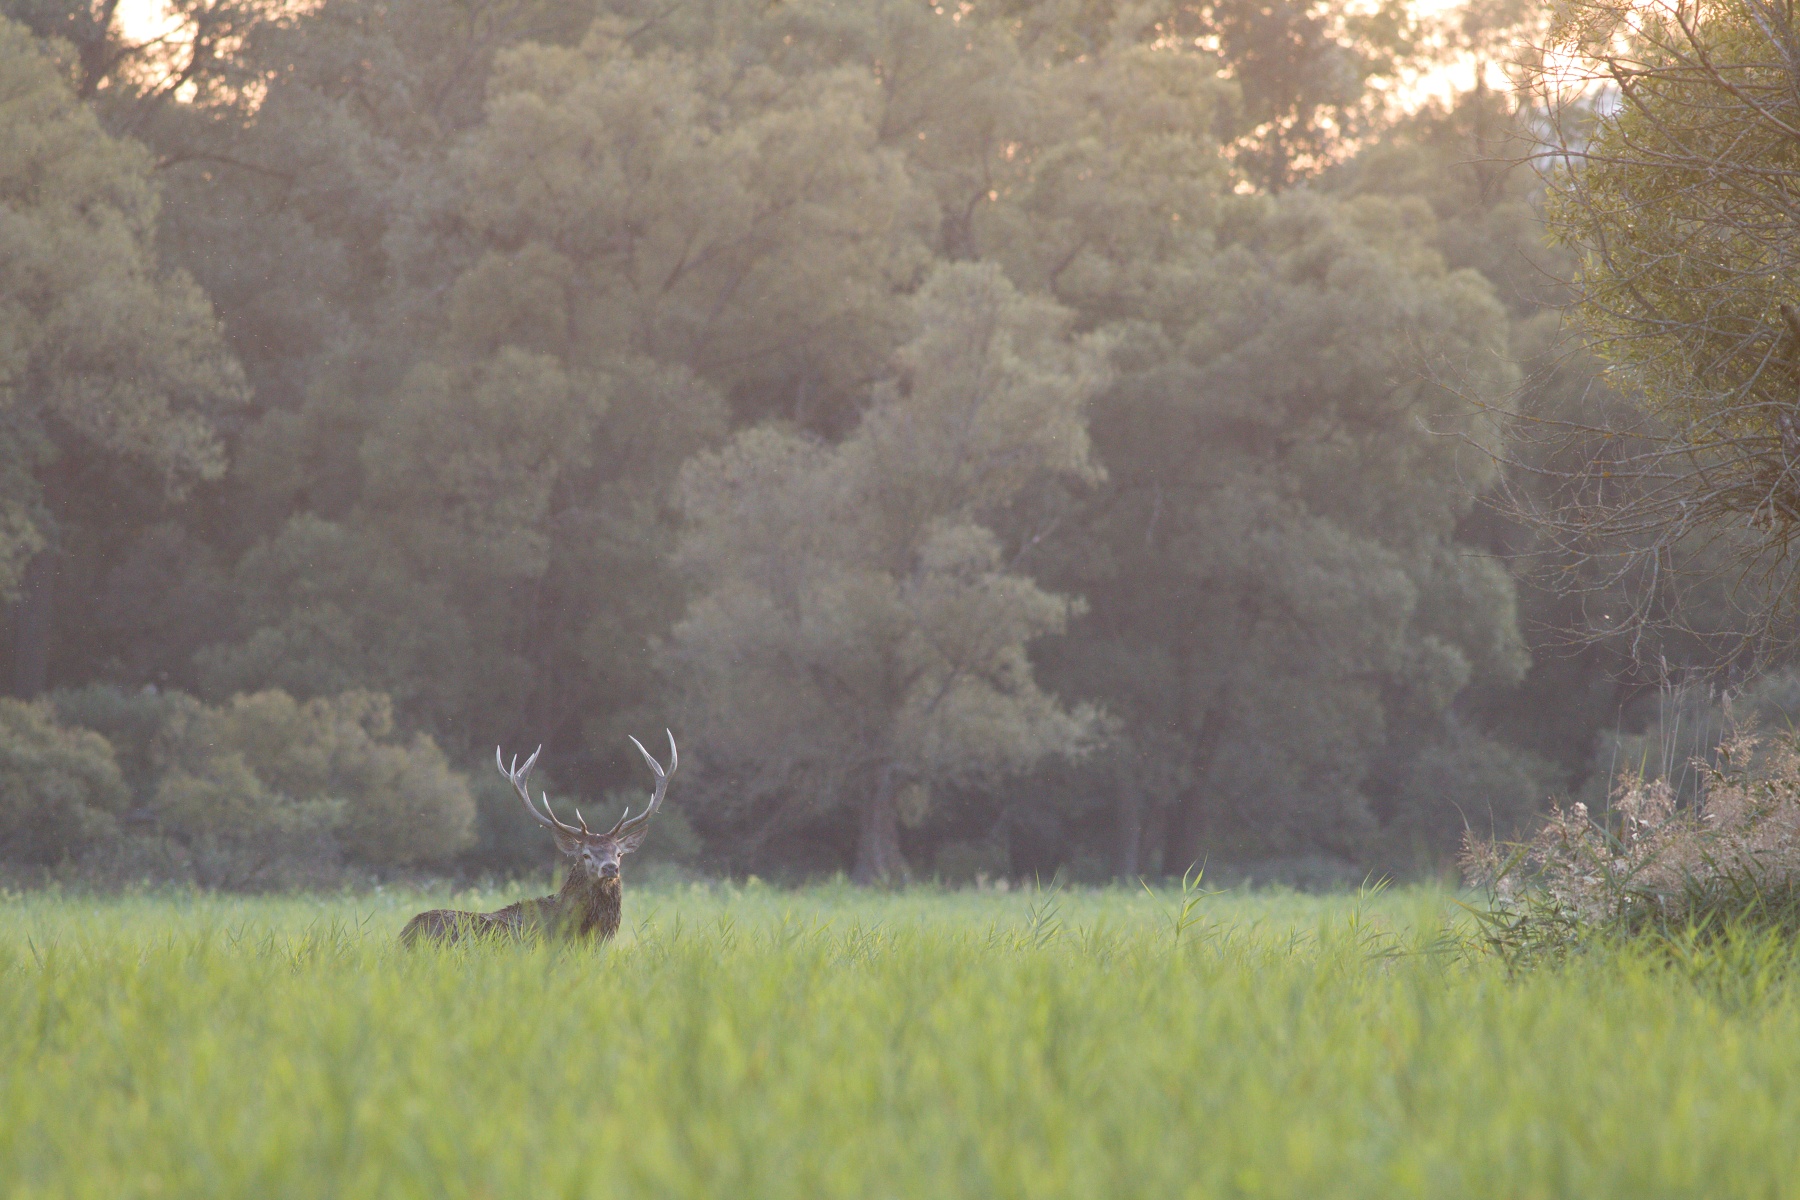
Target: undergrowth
<point>1722,867</point>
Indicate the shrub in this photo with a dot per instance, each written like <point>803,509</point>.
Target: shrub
<point>240,831</point>
<point>1649,863</point>
<point>132,721</point>
<point>260,791</point>
<point>60,788</point>
<point>266,766</point>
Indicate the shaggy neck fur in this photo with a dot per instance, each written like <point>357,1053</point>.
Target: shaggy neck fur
<point>590,907</point>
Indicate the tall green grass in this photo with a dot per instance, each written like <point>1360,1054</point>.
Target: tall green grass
<point>747,1043</point>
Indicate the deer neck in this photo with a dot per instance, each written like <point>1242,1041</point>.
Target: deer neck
<point>590,907</point>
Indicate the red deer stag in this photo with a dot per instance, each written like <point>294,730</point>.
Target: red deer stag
<point>588,904</point>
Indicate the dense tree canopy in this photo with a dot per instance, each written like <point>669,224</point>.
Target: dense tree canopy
<point>112,370</point>
<point>1276,588</point>
<point>856,638</point>
<point>1009,437</point>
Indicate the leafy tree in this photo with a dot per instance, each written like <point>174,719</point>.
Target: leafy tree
<point>1280,613</point>
<point>112,371</point>
<point>1679,202</point>
<point>439,497</point>
<point>859,639</point>
<point>744,224</point>
<point>1304,70</point>
<point>959,100</point>
<point>1676,199</point>
<point>326,607</point>
<point>1602,641</point>
<point>1124,186</point>
<point>1307,75</point>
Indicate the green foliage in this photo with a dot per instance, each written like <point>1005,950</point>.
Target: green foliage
<point>260,789</point>
<point>60,787</point>
<point>104,354</point>
<point>857,630</point>
<point>1123,185</point>
<point>1469,781</point>
<point>1304,68</point>
<point>1281,612</point>
<point>266,764</point>
<point>1674,199</point>
<point>645,204</point>
<point>830,1042</point>
<point>132,723</point>
<point>328,606</point>
<point>1680,211</point>
<point>935,415</point>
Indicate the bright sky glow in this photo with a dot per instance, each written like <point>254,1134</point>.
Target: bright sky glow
<point>146,20</point>
<point>1446,79</point>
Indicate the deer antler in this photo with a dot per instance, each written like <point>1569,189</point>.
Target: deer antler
<point>629,824</point>
<point>517,776</point>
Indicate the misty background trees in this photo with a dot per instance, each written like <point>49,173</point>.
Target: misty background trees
<point>1001,438</point>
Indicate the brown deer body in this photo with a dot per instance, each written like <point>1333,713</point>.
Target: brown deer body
<point>589,903</point>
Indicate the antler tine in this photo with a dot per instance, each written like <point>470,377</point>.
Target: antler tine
<point>628,823</point>
<point>517,777</point>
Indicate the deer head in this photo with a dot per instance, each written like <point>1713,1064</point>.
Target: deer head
<point>596,855</point>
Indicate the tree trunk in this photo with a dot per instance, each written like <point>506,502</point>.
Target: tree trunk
<point>879,862</point>
<point>31,626</point>
<point>1129,863</point>
<point>1185,835</point>
<point>1185,831</point>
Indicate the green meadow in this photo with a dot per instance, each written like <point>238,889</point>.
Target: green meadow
<point>745,1042</point>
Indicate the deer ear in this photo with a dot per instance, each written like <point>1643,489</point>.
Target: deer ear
<point>633,840</point>
<point>567,844</point>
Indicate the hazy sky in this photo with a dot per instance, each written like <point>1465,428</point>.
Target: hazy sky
<point>148,18</point>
